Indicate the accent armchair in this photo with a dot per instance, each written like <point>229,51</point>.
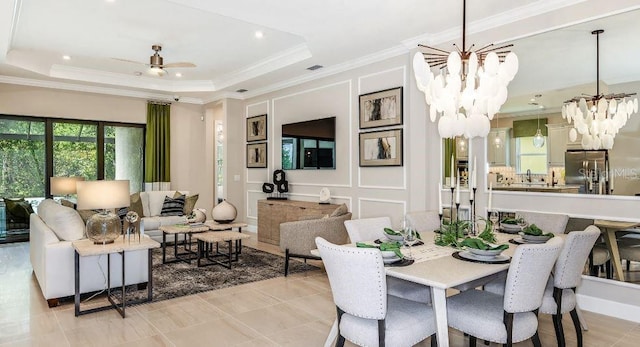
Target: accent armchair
<point>297,239</point>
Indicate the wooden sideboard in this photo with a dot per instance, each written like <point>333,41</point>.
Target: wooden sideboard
<point>273,212</point>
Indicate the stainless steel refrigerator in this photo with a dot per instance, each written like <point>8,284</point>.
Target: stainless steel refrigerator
<point>587,169</point>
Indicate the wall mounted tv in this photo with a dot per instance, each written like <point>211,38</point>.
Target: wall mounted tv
<point>309,145</point>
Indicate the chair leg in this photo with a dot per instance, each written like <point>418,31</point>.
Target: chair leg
<point>381,332</point>
<point>628,265</point>
<point>576,324</point>
<point>557,318</point>
<point>608,269</point>
<point>434,341</point>
<point>286,262</point>
<point>536,339</point>
<point>508,323</point>
<point>472,341</point>
<point>340,340</point>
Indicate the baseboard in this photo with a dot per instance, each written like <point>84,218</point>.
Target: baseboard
<point>609,308</point>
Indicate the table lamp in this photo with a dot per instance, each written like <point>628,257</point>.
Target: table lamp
<point>64,185</point>
<point>103,227</point>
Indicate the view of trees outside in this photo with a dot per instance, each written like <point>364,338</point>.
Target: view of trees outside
<point>22,158</point>
<point>75,153</point>
<point>75,150</point>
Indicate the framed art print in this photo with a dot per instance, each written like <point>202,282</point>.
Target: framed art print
<point>381,148</point>
<point>379,109</point>
<point>257,155</point>
<point>257,128</point>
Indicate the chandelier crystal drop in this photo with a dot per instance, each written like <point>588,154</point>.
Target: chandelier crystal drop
<point>469,90</point>
<point>598,118</point>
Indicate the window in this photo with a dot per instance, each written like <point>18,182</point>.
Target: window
<point>530,157</point>
<point>22,157</point>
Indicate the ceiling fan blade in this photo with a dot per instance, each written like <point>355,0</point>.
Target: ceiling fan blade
<point>182,64</point>
<point>130,61</point>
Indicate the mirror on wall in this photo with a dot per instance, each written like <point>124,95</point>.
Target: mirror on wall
<point>309,145</point>
<point>455,159</point>
<point>557,66</point>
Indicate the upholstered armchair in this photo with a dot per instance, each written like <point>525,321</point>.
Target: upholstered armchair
<point>297,239</point>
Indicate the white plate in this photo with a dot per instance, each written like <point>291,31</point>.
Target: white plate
<point>390,260</point>
<point>521,240</point>
<point>534,238</point>
<point>388,254</point>
<point>471,256</point>
<point>485,253</point>
<point>510,227</point>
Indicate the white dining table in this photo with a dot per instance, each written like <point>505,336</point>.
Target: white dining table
<point>436,267</point>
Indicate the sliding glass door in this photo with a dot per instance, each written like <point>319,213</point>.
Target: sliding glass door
<point>75,149</point>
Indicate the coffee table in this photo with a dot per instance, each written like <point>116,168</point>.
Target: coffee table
<point>205,247</point>
<point>177,229</point>
<point>86,247</point>
<point>215,226</point>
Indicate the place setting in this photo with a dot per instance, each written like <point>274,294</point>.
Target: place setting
<point>531,234</point>
<point>391,246</point>
<point>477,250</point>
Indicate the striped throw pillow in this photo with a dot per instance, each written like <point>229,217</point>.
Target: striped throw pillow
<point>173,207</point>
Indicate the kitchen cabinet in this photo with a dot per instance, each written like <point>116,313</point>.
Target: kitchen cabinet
<point>557,138</point>
<point>498,154</point>
<point>273,212</point>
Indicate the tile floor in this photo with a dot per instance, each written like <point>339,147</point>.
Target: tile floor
<point>293,311</point>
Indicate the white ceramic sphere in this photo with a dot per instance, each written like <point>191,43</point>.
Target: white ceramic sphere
<point>224,212</point>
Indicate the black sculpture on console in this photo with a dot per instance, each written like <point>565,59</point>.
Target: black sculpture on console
<point>280,184</point>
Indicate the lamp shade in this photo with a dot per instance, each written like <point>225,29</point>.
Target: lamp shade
<point>62,185</point>
<point>103,194</point>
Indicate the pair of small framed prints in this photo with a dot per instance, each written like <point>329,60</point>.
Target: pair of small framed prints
<point>381,109</point>
<point>256,141</point>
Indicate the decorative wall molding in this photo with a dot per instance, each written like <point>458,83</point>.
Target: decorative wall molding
<point>399,202</point>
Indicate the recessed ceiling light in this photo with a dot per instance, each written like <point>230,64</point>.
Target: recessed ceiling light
<point>178,74</point>
<point>532,99</point>
<point>541,106</point>
<point>66,57</point>
<point>259,34</point>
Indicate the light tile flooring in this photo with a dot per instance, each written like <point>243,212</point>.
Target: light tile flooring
<point>293,311</point>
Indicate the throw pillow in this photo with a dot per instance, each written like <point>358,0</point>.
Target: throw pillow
<point>173,207</point>
<point>121,212</point>
<point>86,214</point>
<point>18,208</point>
<point>136,204</point>
<point>67,203</point>
<point>190,203</point>
<point>65,222</point>
<point>339,211</point>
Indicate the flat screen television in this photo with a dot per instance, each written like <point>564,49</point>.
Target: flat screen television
<point>309,145</point>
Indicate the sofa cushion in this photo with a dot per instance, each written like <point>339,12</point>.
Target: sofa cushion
<point>151,223</point>
<point>64,221</point>
<point>152,201</point>
<point>173,207</point>
<point>154,223</point>
<point>190,203</point>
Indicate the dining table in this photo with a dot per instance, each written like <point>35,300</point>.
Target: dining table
<point>435,266</point>
<point>609,229</point>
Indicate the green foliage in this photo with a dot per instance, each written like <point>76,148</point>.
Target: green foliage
<point>472,242</point>
<point>487,234</point>
<point>452,232</point>
<point>533,230</point>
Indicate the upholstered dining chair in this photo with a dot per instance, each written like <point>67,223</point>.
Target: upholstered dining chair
<point>366,315</point>
<point>549,222</point>
<point>424,220</point>
<point>511,317</point>
<point>368,229</point>
<point>629,248</point>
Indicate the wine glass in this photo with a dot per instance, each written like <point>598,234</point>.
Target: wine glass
<point>410,238</point>
<point>522,223</point>
<point>493,217</point>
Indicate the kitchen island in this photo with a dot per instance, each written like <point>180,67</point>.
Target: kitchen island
<point>538,187</point>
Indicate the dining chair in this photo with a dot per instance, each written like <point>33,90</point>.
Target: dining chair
<point>512,317</point>
<point>424,220</point>
<point>549,222</point>
<point>629,249</point>
<point>366,314</point>
<point>369,229</point>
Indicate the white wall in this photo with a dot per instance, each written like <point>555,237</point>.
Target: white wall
<point>187,130</point>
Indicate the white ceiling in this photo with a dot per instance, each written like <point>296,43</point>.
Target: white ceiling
<point>218,36</point>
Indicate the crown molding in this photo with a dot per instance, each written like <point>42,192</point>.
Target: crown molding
<point>283,59</point>
<point>9,16</point>
<point>94,89</point>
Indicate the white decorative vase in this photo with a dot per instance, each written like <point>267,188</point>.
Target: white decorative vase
<point>224,212</point>
<point>197,216</point>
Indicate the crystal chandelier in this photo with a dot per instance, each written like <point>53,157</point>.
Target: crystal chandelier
<point>471,90</point>
<point>598,118</point>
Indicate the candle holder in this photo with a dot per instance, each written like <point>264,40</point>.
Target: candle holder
<point>457,214</point>
<point>451,209</point>
<point>472,220</point>
<point>473,212</point>
<point>440,219</point>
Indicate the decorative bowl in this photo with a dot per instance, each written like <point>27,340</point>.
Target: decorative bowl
<point>487,253</point>
<point>534,238</point>
<point>394,237</point>
<point>510,227</point>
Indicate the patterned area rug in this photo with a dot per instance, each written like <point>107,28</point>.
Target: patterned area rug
<point>179,279</point>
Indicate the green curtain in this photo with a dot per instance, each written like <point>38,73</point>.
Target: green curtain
<point>528,128</point>
<point>157,166</point>
<point>449,146</point>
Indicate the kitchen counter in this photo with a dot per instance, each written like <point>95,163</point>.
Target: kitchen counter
<point>523,187</point>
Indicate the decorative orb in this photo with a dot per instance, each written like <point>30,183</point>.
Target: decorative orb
<point>131,217</point>
<point>197,216</point>
<point>224,212</point>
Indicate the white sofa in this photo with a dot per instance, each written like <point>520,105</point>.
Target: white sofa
<point>151,207</point>
<point>52,230</point>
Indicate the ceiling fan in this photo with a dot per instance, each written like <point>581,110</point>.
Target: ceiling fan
<point>156,62</point>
